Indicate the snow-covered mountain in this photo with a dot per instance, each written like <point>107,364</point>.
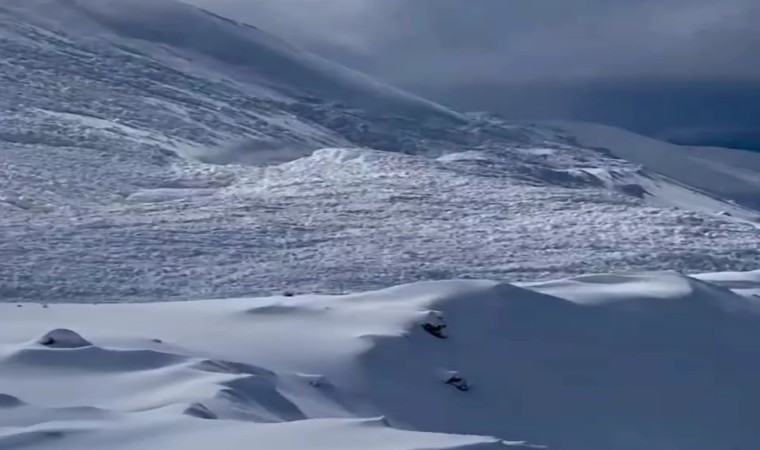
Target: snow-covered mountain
<point>151,151</point>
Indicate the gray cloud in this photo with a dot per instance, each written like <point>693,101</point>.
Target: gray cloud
<point>520,40</point>
<point>309,22</point>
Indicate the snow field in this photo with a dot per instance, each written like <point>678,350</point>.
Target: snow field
<point>658,360</point>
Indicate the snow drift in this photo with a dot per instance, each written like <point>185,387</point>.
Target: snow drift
<point>620,362</point>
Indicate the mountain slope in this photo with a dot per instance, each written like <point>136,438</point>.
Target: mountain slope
<point>723,173</point>
<point>141,162</point>
<point>221,45</point>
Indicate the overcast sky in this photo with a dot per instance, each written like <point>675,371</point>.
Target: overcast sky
<point>519,40</point>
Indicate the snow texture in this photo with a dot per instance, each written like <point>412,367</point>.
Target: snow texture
<point>142,160</point>
<point>152,151</point>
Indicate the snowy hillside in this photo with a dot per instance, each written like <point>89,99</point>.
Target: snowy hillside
<point>180,34</point>
<point>614,362</point>
<point>144,160</point>
<point>721,173</point>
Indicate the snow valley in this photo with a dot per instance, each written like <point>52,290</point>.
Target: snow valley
<point>153,153</point>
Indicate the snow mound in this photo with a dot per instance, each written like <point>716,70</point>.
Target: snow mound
<point>9,401</point>
<point>673,291</point>
<point>614,361</point>
<point>62,338</point>
<point>747,283</point>
<point>128,384</point>
<point>605,361</point>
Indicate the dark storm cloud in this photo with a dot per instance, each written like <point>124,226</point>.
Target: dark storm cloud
<point>538,40</point>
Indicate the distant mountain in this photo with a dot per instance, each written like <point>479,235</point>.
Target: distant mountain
<point>699,113</point>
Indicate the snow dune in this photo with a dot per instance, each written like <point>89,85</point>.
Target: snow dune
<point>630,361</point>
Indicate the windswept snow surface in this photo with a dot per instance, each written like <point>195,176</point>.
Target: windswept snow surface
<point>614,362</point>
<point>143,162</point>
<point>351,219</point>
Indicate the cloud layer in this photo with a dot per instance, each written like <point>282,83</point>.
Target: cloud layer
<point>520,40</point>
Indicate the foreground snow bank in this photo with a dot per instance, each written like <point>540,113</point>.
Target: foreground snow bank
<point>655,360</point>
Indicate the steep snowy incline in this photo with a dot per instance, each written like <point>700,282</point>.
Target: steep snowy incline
<point>723,173</point>
<point>102,97</point>
<point>607,361</point>
<point>199,39</point>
